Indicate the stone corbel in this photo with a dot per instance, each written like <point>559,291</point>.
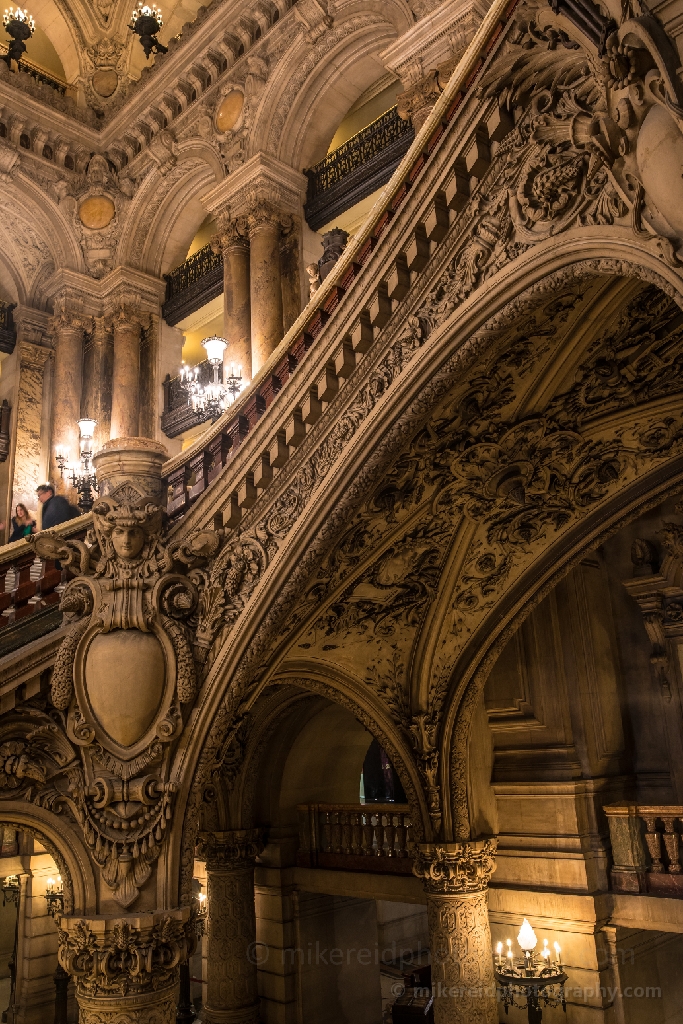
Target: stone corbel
<point>8,162</point>
<point>162,149</point>
<point>226,851</point>
<point>314,16</point>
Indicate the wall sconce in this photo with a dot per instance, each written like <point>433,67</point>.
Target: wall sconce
<point>202,913</point>
<point>54,894</point>
<point>11,890</point>
<point>146,21</point>
<point>531,978</point>
<point>20,25</point>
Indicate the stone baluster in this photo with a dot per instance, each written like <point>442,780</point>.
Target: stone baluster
<point>390,835</point>
<point>139,986</point>
<point>336,835</point>
<point>231,987</point>
<point>379,835</point>
<point>327,831</point>
<point>672,844</point>
<point>232,240</point>
<point>346,832</point>
<point>456,877</point>
<point>98,366</point>
<point>356,834</point>
<point>265,226</point>
<point>367,834</point>
<point>68,330</point>
<point>125,403</point>
<point>653,839</point>
<point>401,835</point>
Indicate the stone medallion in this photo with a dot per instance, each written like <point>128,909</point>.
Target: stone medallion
<point>230,111</point>
<point>96,212</point>
<point>105,82</point>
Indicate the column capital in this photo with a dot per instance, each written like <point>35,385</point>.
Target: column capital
<point>233,233</point>
<point>264,211</point>
<point>33,356</point>
<point>230,850</point>
<point>70,320</point>
<point>122,957</point>
<point>263,175</point>
<point>455,869</point>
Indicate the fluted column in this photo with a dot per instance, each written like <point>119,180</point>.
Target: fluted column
<point>98,367</point>
<point>125,404</point>
<point>456,877</point>
<point>68,330</point>
<point>231,988</point>
<point>232,240</point>
<point>126,968</point>
<point>265,225</point>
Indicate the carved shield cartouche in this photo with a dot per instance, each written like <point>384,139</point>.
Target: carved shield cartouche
<point>121,676</point>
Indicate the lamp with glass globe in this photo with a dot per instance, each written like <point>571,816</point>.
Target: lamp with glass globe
<point>530,982</point>
<point>20,25</point>
<point>81,475</point>
<point>212,398</point>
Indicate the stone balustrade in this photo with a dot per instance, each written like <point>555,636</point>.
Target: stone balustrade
<point>646,848</point>
<point>356,837</point>
<point>341,325</point>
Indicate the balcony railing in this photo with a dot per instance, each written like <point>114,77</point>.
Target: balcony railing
<point>8,332</point>
<point>646,849</point>
<point>35,72</point>
<point>191,285</point>
<point>357,168</point>
<point>350,837</point>
<point>178,415</point>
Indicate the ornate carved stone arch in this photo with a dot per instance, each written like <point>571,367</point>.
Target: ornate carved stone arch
<point>66,849</point>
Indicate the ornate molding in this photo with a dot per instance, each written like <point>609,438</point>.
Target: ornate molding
<point>230,851</point>
<point>452,869</point>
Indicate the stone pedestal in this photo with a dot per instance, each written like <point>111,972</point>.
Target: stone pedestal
<point>233,242</point>
<point>126,968</point>
<point>68,330</point>
<point>130,470</point>
<point>98,365</point>
<point>232,953</point>
<point>125,409</point>
<point>265,282</point>
<point>455,877</point>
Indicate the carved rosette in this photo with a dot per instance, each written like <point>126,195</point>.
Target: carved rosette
<point>126,968</point>
<point>456,877</point>
<point>233,954</point>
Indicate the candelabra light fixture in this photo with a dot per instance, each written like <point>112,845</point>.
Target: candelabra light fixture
<point>146,20</point>
<point>215,397</point>
<point>10,890</point>
<point>20,26</point>
<point>54,894</point>
<point>202,913</point>
<point>531,981</point>
<point>81,476</point>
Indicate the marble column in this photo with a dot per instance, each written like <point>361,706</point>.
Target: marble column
<point>455,877</point>
<point>290,261</point>
<point>233,241</point>
<point>29,414</point>
<point>68,330</point>
<point>98,365</point>
<point>125,402</point>
<point>126,968</point>
<point>265,225</point>
<point>232,953</point>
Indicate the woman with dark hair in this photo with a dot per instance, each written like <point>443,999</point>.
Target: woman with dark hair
<point>22,524</point>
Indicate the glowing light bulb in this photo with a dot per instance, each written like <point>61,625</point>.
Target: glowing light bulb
<point>509,952</point>
<point>545,952</point>
<point>557,951</point>
<point>201,897</point>
<point>59,878</point>
<point>50,881</point>
<point>527,937</point>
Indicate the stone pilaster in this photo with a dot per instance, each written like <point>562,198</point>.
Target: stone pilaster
<point>233,241</point>
<point>125,405</point>
<point>98,364</point>
<point>68,329</point>
<point>126,968</point>
<point>266,222</point>
<point>455,877</point>
<point>231,990</point>
<point>28,421</point>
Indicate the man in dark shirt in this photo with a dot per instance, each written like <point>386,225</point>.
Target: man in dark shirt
<point>56,509</point>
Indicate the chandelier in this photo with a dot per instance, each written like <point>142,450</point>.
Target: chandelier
<point>20,25</point>
<point>11,890</point>
<point>530,982</point>
<point>214,397</point>
<point>82,475</point>
<point>146,20</point>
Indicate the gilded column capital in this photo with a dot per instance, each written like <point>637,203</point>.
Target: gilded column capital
<point>453,869</point>
<point>230,850</point>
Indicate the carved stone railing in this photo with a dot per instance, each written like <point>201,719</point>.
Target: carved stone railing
<point>189,474</point>
<point>30,590</point>
<point>8,332</point>
<point>178,415</point>
<point>646,848</point>
<point>357,168</point>
<point>356,837</point>
<point>191,285</point>
<point>29,68</point>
